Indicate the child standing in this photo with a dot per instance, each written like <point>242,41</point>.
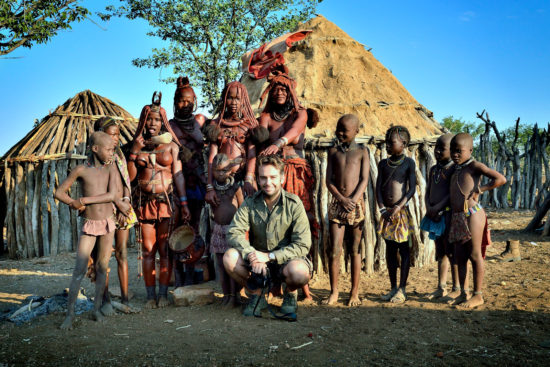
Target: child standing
<point>347,177</point>
<point>438,216</point>
<point>469,231</point>
<point>395,186</point>
<point>230,197</point>
<point>98,178</point>
<point>126,217</point>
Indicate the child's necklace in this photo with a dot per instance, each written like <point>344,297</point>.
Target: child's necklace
<point>461,166</point>
<point>226,186</point>
<point>438,172</point>
<point>103,164</point>
<point>397,163</point>
<point>393,166</point>
<point>344,147</point>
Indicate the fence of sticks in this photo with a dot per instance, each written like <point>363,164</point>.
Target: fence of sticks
<point>372,246</point>
<point>36,223</point>
<point>525,166</point>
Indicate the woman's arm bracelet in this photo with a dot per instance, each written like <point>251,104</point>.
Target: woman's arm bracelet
<point>249,178</point>
<point>281,142</point>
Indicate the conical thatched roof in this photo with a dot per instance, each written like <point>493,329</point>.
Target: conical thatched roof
<point>337,75</point>
<point>66,130</point>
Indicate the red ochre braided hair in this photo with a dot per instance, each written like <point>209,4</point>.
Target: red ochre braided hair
<point>155,107</point>
<point>212,130</point>
<point>246,112</point>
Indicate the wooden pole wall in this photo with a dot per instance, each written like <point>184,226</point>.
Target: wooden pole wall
<point>37,224</point>
<point>372,245</point>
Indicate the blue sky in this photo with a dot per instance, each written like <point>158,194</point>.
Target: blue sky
<point>455,57</point>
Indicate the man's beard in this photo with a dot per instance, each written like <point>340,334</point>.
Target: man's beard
<point>274,195</point>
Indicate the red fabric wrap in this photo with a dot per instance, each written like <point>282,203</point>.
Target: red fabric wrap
<point>270,54</point>
<point>299,181</point>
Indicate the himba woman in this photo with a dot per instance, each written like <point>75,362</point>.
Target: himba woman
<point>231,134</point>
<point>286,120</point>
<point>126,218</point>
<point>154,160</point>
<point>187,126</point>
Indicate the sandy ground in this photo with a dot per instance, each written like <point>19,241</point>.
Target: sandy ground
<point>509,329</point>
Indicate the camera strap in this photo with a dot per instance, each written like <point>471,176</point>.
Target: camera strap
<point>290,317</point>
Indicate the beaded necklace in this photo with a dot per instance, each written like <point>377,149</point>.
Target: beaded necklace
<point>103,164</point>
<point>344,147</point>
<point>282,114</point>
<point>438,171</point>
<point>394,166</point>
<point>396,163</point>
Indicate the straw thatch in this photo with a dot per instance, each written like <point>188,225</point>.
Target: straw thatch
<point>33,168</point>
<point>337,75</point>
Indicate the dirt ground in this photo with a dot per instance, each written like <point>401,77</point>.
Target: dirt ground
<point>508,330</point>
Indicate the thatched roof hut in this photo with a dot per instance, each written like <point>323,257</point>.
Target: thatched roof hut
<point>337,75</point>
<point>33,168</point>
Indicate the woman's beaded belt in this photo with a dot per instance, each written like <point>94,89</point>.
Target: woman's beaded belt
<point>167,181</point>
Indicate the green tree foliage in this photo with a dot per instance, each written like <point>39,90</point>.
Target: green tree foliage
<point>456,126</point>
<point>525,131</point>
<point>207,37</point>
<point>28,22</point>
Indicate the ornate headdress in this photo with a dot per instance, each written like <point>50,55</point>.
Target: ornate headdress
<point>280,77</point>
<point>155,107</point>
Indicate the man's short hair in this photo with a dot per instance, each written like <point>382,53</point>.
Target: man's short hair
<point>273,160</point>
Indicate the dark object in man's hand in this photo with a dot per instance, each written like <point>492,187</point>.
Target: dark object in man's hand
<point>257,281</point>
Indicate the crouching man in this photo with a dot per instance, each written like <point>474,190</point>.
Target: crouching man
<point>278,239</point>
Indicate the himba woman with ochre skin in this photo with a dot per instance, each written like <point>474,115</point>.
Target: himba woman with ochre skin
<point>160,192</point>
<point>286,120</point>
<point>231,134</point>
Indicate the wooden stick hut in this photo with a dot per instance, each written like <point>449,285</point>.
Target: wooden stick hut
<point>337,75</point>
<point>36,225</point>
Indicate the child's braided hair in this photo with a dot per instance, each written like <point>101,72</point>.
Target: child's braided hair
<point>401,131</point>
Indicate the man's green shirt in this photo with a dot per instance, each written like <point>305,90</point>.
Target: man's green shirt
<point>284,232</point>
